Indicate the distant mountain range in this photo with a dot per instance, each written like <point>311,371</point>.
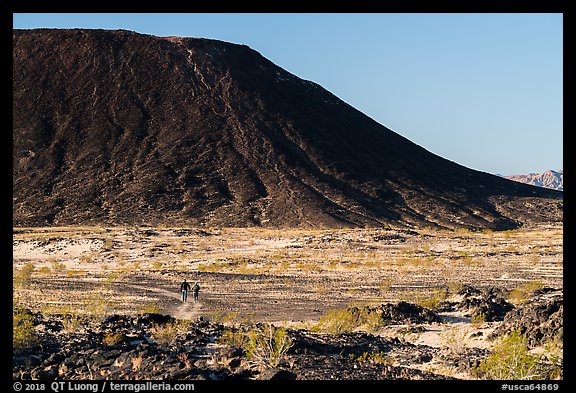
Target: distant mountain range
<point>549,179</point>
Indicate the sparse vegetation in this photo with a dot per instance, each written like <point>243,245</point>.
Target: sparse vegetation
<point>294,278</point>
<point>454,287</point>
<point>108,243</point>
<point>149,308</point>
<point>322,289</point>
<point>378,357</point>
<point>523,292</point>
<point>71,319</point>
<point>385,285</point>
<point>410,330</point>
<point>24,335</point>
<point>44,270</point>
<point>455,340</point>
<point>76,272</point>
<point>57,265</point>
<point>429,300</point>
<point>232,337</point>
<point>478,319</point>
<point>23,276</point>
<point>119,256</point>
<point>225,317</point>
<point>554,356</point>
<point>344,320</point>
<point>97,307</point>
<point>166,334</point>
<point>86,258</point>
<point>370,321</point>
<point>112,339</point>
<point>266,345</point>
<point>157,265</point>
<point>510,360</point>
<point>128,267</point>
<point>110,279</point>
<point>337,321</point>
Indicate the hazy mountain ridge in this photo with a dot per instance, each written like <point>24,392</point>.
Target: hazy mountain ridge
<point>550,179</point>
<point>125,128</point>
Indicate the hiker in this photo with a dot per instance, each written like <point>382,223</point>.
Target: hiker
<point>195,290</point>
<point>184,287</point>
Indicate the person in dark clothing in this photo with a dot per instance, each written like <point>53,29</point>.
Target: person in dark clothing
<point>184,288</point>
<point>195,290</point>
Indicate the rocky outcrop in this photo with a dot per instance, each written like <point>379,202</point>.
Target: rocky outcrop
<point>404,313</point>
<point>489,303</point>
<point>155,346</point>
<point>119,347</point>
<point>541,320</point>
<point>130,347</point>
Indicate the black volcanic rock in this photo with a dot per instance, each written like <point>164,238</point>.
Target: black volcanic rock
<point>123,128</point>
<point>84,354</point>
<point>491,304</point>
<point>541,320</point>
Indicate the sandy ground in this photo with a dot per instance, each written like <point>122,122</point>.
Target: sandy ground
<point>290,277</point>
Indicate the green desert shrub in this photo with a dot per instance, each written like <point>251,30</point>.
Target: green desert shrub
<point>156,265</point>
<point>372,358</point>
<point>57,265</point>
<point>266,345</point>
<point>226,317</point>
<point>454,287</point>
<point>524,291</point>
<point>98,307</point>
<point>370,321</point>
<point>232,338</point>
<point>44,270</point>
<point>555,357</point>
<point>110,279</point>
<point>345,320</point>
<point>166,334</point>
<point>71,319</point>
<point>510,360</point>
<point>455,341</point>
<point>337,321</point>
<point>23,276</point>
<point>149,308</point>
<point>478,319</point>
<point>24,333</point>
<point>112,339</point>
<point>429,300</point>
<point>434,299</point>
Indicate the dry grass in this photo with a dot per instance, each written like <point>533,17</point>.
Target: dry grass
<point>323,268</point>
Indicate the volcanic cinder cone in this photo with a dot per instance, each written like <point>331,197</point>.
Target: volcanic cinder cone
<point>115,127</point>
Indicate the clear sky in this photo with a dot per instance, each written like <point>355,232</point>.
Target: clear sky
<point>483,90</point>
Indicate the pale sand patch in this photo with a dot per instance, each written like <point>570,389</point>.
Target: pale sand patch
<point>62,249</point>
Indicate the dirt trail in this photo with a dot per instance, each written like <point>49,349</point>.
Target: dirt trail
<point>175,308</point>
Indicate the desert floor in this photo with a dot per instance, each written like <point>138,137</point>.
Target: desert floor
<point>290,277</point>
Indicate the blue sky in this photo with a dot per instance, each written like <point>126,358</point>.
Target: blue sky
<point>483,90</point>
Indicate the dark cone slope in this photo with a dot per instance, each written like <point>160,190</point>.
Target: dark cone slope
<point>115,127</point>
